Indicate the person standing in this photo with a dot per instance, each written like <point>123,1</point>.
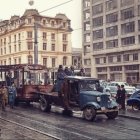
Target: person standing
<point>123,94</point>
<point>81,73</point>
<point>4,93</point>
<point>60,77</point>
<point>12,95</point>
<point>72,71</point>
<point>118,96</point>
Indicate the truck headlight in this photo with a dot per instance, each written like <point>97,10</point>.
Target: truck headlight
<point>98,99</point>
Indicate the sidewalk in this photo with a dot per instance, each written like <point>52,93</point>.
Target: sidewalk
<point>129,113</point>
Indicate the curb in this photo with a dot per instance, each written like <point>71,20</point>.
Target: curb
<point>129,117</point>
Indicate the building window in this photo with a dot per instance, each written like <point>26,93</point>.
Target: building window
<point>97,34</point>
<point>116,68</point>
<point>19,60</point>
<point>126,57</point>
<point>97,46</point>
<point>64,37</point>
<point>112,31</point>
<point>111,5</point>
<point>110,18</point>
<point>19,36</point>
<point>86,3</point>
<point>112,43</point>
<point>127,13</point>
<point>52,36</point>
<point>97,9</point>
<point>87,38</point>
<point>29,20</point>
<point>44,35</point>
<point>102,69</point>
<point>135,56</point>
<point>15,61</point>
<point>97,60</point>
<point>19,47</point>
<point>9,61</point>
<point>45,61</point>
<point>64,47</point>
<point>128,27</point>
<point>15,48</point>
<point>98,21</point>
<point>30,45</point>
<point>64,60</point>
<point>44,22</point>
<point>110,59</point>
<point>118,58</point>
<point>44,46</point>
<point>9,39</point>
<point>53,62</point>
<point>29,35</point>
<point>132,67</point>
<point>9,49</point>
<point>14,38</point>
<point>53,47</point>
<point>139,25</point>
<point>30,59</point>
<point>128,41</point>
<point>1,51</point>
<point>52,24</point>
<point>86,15</point>
<point>4,50</point>
<point>126,2</point>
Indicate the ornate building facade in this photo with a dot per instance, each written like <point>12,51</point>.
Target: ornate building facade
<point>53,39</point>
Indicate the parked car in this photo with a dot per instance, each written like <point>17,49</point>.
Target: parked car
<point>134,100</point>
<point>80,93</point>
<point>112,87</point>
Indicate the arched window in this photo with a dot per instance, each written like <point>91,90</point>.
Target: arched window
<point>64,60</point>
<point>30,59</point>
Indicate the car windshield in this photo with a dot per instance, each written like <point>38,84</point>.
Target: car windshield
<point>89,85</point>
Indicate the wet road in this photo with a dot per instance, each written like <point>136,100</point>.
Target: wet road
<point>66,128</point>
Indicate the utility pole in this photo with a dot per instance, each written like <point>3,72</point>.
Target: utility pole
<point>35,44</point>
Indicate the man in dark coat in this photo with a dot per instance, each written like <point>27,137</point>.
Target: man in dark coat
<point>123,92</point>
<point>118,96</point>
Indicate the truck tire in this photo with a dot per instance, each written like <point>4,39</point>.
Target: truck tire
<point>112,115</point>
<point>89,113</point>
<point>135,107</point>
<point>44,105</point>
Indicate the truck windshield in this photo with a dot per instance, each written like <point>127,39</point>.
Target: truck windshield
<point>89,85</point>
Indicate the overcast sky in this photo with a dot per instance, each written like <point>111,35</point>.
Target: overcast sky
<point>72,9</point>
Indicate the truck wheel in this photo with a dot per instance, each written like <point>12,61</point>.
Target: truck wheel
<point>112,115</point>
<point>89,113</point>
<point>135,107</point>
<point>44,105</point>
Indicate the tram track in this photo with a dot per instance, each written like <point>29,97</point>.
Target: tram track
<point>43,135</point>
<point>60,133</point>
<point>78,132</point>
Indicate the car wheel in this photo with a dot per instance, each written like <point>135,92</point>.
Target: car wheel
<point>44,104</point>
<point>135,107</point>
<point>89,113</point>
<point>112,115</point>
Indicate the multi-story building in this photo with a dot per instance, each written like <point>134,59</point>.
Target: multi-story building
<point>53,39</point>
<point>77,57</point>
<point>111,39</point>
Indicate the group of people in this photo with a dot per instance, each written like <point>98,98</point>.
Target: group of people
<point>62,73</point>
<point>7,96</point>
<point>120,96</point>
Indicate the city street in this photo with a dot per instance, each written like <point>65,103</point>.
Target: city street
<point>30,123</point>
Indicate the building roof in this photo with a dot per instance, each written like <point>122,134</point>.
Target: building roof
<point>29,12</point>
<point>62,16</point>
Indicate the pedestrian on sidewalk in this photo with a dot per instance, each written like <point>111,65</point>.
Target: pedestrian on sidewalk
<point>12,95</point>
<point>4,96</point>
<point>123,95</point>
<point>118,96</point>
